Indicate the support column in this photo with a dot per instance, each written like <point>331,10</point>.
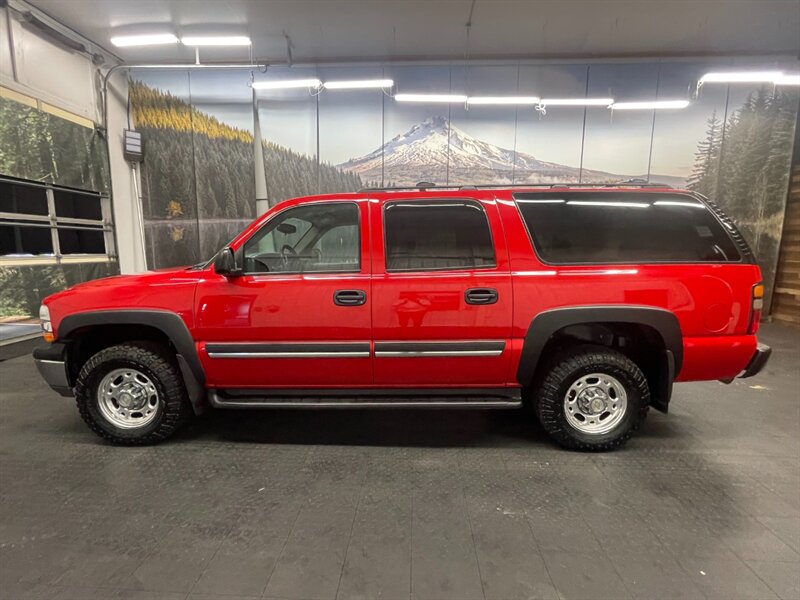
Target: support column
<point>262,196</point>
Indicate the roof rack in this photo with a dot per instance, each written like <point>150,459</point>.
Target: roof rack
<point>426,185</point>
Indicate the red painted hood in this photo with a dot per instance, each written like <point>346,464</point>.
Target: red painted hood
<point>166,289</point>
<point>147,278</point>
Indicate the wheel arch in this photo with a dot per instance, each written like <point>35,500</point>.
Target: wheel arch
<point>546,325</point>
<point>144,322</point>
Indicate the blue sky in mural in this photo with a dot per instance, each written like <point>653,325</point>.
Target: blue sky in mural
<point>350,121</point>
<point>352,125</point>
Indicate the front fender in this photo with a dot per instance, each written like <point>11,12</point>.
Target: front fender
<point>169,323</point>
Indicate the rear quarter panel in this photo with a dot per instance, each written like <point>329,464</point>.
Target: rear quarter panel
<point>711,301</point>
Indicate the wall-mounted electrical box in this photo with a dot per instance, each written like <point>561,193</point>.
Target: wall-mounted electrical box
<point>132,148</point>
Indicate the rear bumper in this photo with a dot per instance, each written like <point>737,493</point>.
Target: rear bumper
<point>52,365</point>
<point>757,363</point>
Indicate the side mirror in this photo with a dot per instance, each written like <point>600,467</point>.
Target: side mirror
<point>225,263</point>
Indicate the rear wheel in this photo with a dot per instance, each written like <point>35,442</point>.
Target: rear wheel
<point>592,399</point>
<point>132,394</point>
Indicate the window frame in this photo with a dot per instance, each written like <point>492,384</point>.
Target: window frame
<point>358,265</point>
<point>54,223</point>
<point>433,202</point>
<point>537,253</point>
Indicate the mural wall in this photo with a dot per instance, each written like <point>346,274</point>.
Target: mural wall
<point>197,181</point>
<point>37,145</point>
<point>43,147</point>
<point>732,143</point>
<point>22,288</point>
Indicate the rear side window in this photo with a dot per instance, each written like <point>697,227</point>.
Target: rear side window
<point>437,235</point>
<point>629,227</point>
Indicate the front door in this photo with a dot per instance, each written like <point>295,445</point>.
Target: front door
<point>441,305</point>
<point>299,316</point>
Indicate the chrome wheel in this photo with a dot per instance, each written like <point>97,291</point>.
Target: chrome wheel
<point>595,403</point>
<point>127,398</point>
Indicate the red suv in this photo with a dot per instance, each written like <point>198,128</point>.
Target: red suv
<point>586,302</point>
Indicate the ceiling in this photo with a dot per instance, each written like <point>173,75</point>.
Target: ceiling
<point>343,30</point>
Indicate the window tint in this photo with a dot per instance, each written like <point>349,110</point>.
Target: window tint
<point>337,242</point>
<point>307,239</point>
<point>437,235</point>
<point>625,227</point>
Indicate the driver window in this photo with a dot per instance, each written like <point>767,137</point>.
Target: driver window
<point>307,239</point>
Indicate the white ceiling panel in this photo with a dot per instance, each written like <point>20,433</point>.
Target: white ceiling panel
<point>339,30</point>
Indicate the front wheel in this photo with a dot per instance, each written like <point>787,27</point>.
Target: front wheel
<point>592,399</point>
<point>132,394</point>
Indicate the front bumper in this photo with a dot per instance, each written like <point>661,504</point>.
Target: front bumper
<point>759,360</point>
<point>52,364</point>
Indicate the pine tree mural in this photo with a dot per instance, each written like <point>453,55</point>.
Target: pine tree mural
<point>704,173</point>
<point>200,169</point>
<point>745,168</point>
<point>43,147</point>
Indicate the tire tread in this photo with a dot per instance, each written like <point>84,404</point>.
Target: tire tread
<point>155,358</point>
<point>549,403</point>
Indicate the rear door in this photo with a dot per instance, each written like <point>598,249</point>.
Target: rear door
<point>442,302</point>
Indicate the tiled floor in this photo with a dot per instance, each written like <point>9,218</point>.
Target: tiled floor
<point>704,503</point>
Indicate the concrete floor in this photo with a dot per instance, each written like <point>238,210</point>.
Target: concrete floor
<point>703,503</point>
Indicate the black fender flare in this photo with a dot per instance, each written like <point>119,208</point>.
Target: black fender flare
<point>545,324</point>
<point>169,323</point>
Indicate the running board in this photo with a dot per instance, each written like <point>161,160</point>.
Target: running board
<point>367,398</point>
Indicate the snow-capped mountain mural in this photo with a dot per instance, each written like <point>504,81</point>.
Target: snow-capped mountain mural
<point>340,142</point>
<point>437,151</point>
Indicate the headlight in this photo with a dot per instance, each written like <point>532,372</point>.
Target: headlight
<point>47,325</point>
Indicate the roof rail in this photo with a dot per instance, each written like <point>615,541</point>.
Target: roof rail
<point>424,186</point>
<point>419,186</point>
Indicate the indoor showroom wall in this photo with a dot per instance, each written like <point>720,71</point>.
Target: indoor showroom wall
<point>50,134</point>
<point>732,143</point>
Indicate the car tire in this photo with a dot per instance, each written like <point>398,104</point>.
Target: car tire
<point>132,394</point>
<point>592,399</point>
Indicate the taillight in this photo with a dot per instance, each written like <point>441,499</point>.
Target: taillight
<point>755,312</point>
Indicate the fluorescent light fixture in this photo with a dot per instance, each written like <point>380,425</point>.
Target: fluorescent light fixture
<point>216,40</point>
<point>602,203</point>
<point>576,101</point>
<point>656,104</point>
<point>503,100</point>
<point>286,84</point>
<point>358,84</point>
<point>154,39</point>
<point>788,79</point>
<point>430,98</point>
<point>741,77</point>
<point>677,203</point>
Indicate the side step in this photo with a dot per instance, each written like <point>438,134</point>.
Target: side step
<point>367,398</point>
